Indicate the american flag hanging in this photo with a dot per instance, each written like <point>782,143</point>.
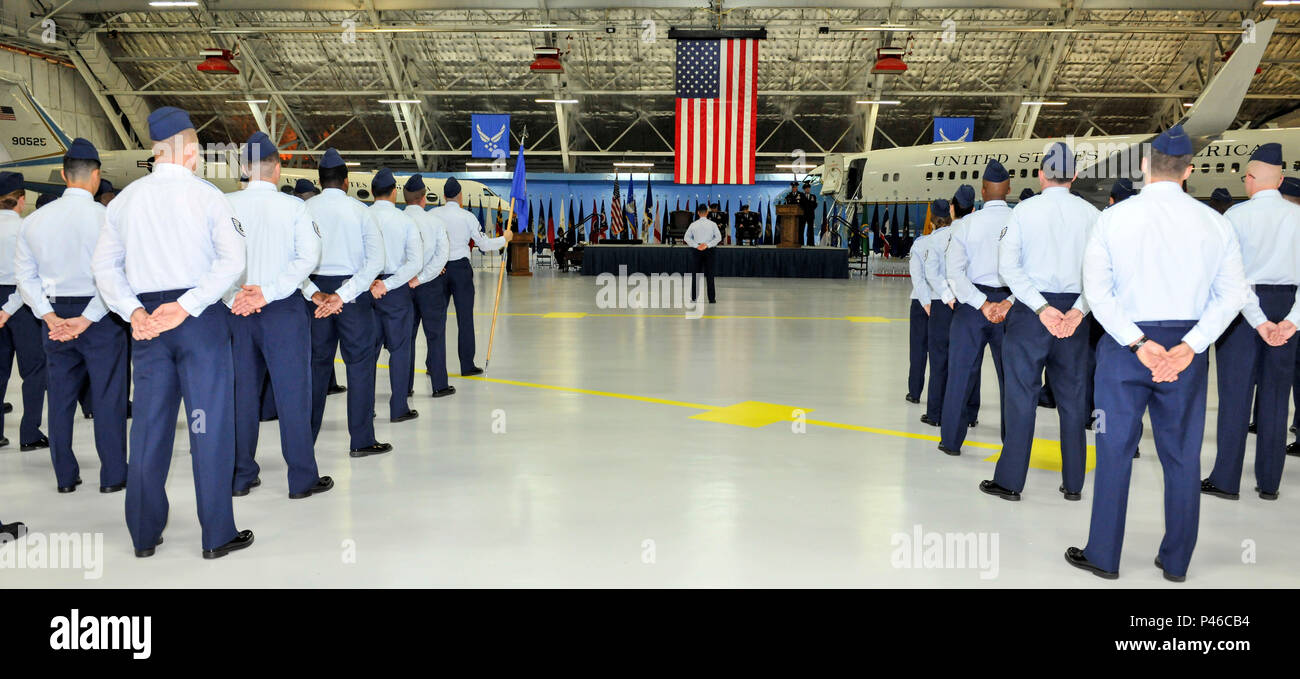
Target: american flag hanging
<point>717,111</point>
<point>615,211</point>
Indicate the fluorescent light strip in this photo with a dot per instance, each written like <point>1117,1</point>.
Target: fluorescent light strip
<point>174,3</point>
<point>1043,103</point>
<point>882,102</point>
<point>556,101</point>
<point>793,166</point>
<point>398,101</point>
<point>247,101</point>
<point>352,163</point>
<point>471,164</point>
<point>630,164</point>
<point>1280,3</point>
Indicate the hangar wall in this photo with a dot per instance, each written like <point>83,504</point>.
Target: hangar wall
<point>64,94</point>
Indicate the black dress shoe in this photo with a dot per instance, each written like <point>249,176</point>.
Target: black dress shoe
<point>73,487</point>
<point>998,491</point>
<point>145,553</point>
<point>14,530</point>
<point>128,410</point>
<point>372,449</point>
<point>9,408</point>
<point>973,423</point>
<point>1137,452</point>
<point>1211,489</point>
<point>925,419</point>
<point>336,389</point>
<point>475,370</point>
<point>1265,496</point>
<point>241,540</point>
<point>323,484</point>
<point>1293,448</point>
<point>39,443</point>
<point>444,392</point>
<point>245,490</point>
<point>1293,428</point>
<point>88,415</point>
<point>1251,428</point>
<point>408,415</point>
<point>1072,497</point>
<point>1074,556</point>
<point>912,399</point>
<point>949,451</point>
<point>3,442</point>
<point>1169,576</point>
<point>113,488</point>
<point>268,419</point>
<point>410,392</point>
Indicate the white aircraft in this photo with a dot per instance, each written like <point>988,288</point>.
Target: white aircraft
<point>32,143</point>
<point>919,174</point>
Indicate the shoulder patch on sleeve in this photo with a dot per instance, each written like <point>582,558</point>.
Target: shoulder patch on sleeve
<point>315,227</point>
<point>238,227</point>
<point>1003,234</point>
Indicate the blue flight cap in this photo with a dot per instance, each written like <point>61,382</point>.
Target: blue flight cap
<point>45,199</point>
<point>383,181</point>
<point>1270,153</point>
<point>1058,162</point>
<point>939,207</point>
<point>1173,142</point>
<point>167,122</point>
<point>1290,187</point>
<point>1221,195</point>
<point>331,158</point>
<point>1027,193</point>
<point>81,149</point>
<point>105,186</point>
<point>414,183</point>
<point>10,182</point>
<point>304,185</point>
<point>994,172</point>
<point>965,195</point>
<point>1122,189</point>
<point>452,188</point>
<point>259,147</point>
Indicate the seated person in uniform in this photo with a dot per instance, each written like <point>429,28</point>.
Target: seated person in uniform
<point>747,225</point>
<point>561,249</point>
<point>717,216</point>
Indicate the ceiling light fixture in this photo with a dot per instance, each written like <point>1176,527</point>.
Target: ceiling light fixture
<point>882,102</point>
<point>556,101</point>
<point>1042,103</point>
<point>399,101</point>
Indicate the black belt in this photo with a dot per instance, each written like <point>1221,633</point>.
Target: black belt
<point>1276,287</point>
<point>383,276</point>
<point>989,289</point>
<point>70,300</point>
<point>161,295</point>
<point>1166,324</point>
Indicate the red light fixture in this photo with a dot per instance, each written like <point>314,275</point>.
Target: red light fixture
<point>217,61</point>
<point>546,60</point>
<point>889,61</point>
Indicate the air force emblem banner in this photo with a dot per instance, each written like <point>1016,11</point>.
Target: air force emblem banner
<point>491,135</point>
<point>954,129</point>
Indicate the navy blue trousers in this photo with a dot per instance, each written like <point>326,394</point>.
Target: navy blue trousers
<point>417,320</point>
<point>352,333</point>
<point>937,336</point>
<point>918,327</point>
<point>460,287</point>
<point>21,336</point>
<point>1028,350</point>
<point>1124,392</point>
<point>970,333</point>
<point>431,298</point>
<point>395,314</point>
<point>192,362</point>
<point>97,358</point>
<point>1244,360</point>
<point>276,340</point>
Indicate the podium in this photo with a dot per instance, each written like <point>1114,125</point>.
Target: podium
<point>787,217</point>
<point>521,244</point>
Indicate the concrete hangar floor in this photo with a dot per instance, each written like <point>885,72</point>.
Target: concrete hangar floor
<point>617,447</point>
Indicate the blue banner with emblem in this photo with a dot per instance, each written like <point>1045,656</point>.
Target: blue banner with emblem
<point>491,135</point>
<point>954,129</point>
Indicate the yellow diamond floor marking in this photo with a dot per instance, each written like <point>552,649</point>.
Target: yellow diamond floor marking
<point>750,414</point>
<point>565,314</point>
<point>1046,454</point>
<point>868,319</point>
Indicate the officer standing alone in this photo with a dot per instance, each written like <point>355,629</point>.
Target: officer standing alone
<point>342,310</point>
<point>429,288</point>
<point>1040,257</point>
<point>703,236</point>
<point>394,310</point>
<point>984,301</point>
<point>20,330</point>
<point>461,228</point>
<point>1163,275</point>
<point>270,332</point>
<point>1258,346</point>
<point>169,249</point>
<point>82,342</point>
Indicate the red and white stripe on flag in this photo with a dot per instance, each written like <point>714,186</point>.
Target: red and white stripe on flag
<point>716,137</point>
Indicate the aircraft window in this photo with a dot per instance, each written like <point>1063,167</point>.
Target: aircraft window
<point>1236,167</point>
<point>488,192</point>
<point>929,176</point>
<point>1218,168</point>
<point>895,176</point>
<point>1296,166</point>
<point>1035,174</point>
<point>363,194</point>
<point>974,174</point>
<point>963,174</point>
<point>952,174</point>
<point>1205,167</point>
<point>884,177</point>
<point>1024,172</point>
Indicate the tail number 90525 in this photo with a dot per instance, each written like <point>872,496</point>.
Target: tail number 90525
<point>28,141</point>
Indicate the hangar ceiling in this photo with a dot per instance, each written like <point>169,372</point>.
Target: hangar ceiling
<point>315,70</point>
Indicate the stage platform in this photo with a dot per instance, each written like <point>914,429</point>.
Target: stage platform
<point>763,261</point>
